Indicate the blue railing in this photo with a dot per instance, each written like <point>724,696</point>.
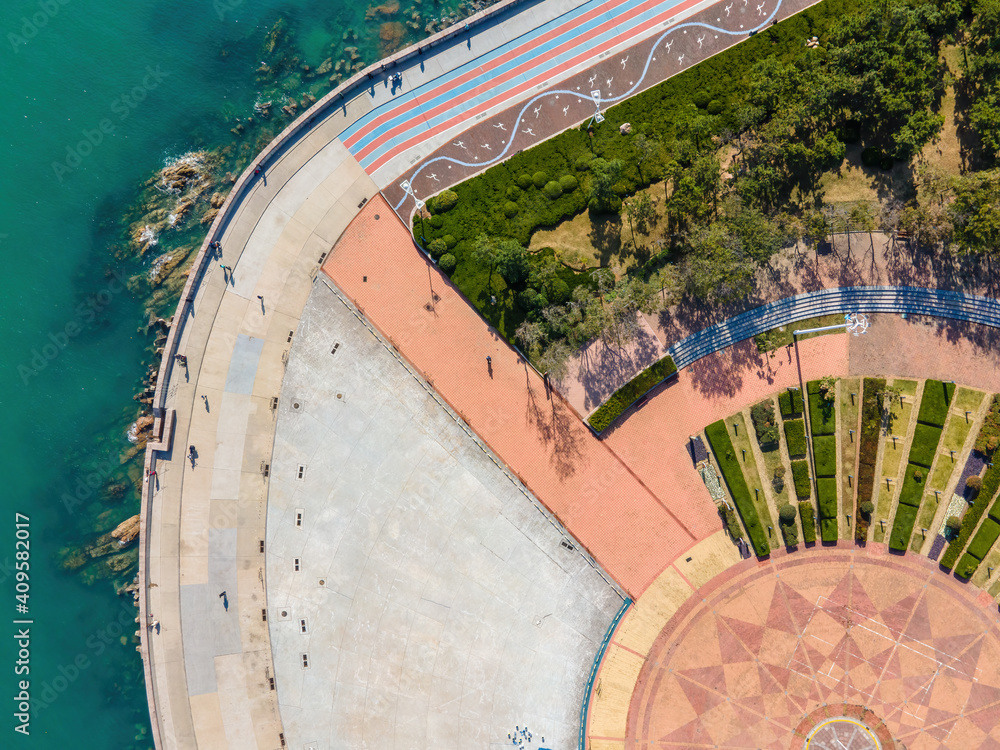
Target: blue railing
<point>598,657</point>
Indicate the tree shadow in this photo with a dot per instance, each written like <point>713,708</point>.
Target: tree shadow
<point>606,236</point>
<point>560,431</point>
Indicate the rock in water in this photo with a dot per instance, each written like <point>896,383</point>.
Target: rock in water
<point>127,530</point>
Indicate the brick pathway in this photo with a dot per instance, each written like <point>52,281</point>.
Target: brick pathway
<point>627,528</point>
<point>934,348</point>
<point>653,439</point>
<point>760,647</point>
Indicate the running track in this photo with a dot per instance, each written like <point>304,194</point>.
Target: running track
<point>507,72</point>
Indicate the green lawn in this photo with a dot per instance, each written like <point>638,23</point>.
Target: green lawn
<point>924,445</point>
<point>907,387</point>
<point>790,402</point>
<point>968,399</point>
<point>741,442</point>
<point>924,519</point>
<point>955,433</point>
<point>848,414</point>
<point>822,413</point>
<point>827,497</point>
<point>913,488</point>
<point>984,539</point>
<point>795,437</point>
<point>825,453</point>
<point>935,402</point>
<point>902,527</point>
<point>729,465</point>
<point>772,461</point>
<point>800,478</point>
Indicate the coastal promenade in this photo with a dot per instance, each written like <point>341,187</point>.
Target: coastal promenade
<point>208,611</point>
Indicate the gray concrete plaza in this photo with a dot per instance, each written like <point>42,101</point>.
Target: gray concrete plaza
<point>435,602</point>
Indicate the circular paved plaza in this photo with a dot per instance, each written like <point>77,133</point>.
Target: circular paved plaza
<point>766,656</point>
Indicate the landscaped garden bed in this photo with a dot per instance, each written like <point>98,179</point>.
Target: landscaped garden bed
<point>725,454</point>
<point>619,401</point>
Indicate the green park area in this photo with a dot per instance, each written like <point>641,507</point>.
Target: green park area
<point>901,462</point>
<point>743,163</point>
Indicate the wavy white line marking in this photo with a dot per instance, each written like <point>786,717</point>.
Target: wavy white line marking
<point>611,99</point>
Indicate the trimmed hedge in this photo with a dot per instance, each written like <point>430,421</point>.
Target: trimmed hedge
<point>765,425</point>
<point>808,516</point>
<point>795,437</point>
<point>935,401</point>
<point>991,481</point>
<point>722,446</point>
<point>828,529</point>
<point>913,490</point>
<point>790,403</point>
<point>826,496</point>
<point>902,527</point>
<point>984,538</point>
<point>871,419</point>
<point>728,516</point>
<point>967,566</point>
<point>924,445</point>
<point>825,455</point>
<point>988,439</point>
<point>800,478</point>
<point>822,413</point>
<point>629,393</point>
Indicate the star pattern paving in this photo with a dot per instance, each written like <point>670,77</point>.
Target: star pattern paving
<point>745,662</point>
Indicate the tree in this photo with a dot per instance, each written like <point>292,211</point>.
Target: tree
<point>484,253</point>
<point>530,336</point>
<point>982,75</point>
<point>867,507</point>
<point>555,360</point>
<point>512,263</point>
<point>604,175</point>
<point>718,268</point>
<point>975,213</point>
<point>646,147</point>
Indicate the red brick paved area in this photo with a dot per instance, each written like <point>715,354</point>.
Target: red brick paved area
<point>653,439</point>
<point>625,527</point>
<point>922,347</point>
<point>762,646</point>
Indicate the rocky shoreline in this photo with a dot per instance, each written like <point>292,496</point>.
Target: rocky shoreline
<point>160,233</point>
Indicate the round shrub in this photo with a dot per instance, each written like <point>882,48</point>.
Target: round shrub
<point>445,201</point>
<point>715,107</point>
<point>559,291</point>
<point>529,299</point>
<point>512,193</point>
<point>973,485</point>
<point>510,209</point>
<point>918,475</point>
<point>437,222</point>
<point>583,161</point>
<point>871,155</point>
<point>552,190</point>
<point>787,513</point>
<point>701,99</point>
<point>450,241</point>
<point>447,263</point>
<point>524,180</point>
<point>568,183</point>
<point>539,179</point>
<point>437,247</point>
<point>954,523</point>
<point>867,507</point>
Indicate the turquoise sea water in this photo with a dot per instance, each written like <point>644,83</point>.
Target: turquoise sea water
<point>94,98</point>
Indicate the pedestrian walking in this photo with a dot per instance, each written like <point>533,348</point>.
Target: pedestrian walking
<point>181,359</point>
<point>205,399</point>
<point>489,359</point>
<point>225,600</point>
<point>192,454</point>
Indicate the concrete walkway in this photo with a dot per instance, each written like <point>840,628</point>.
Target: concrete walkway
<point>210,664</point>
<point>434,601</point>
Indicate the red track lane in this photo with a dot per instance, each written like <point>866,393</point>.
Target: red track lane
<point>446,85</point>
<point>507,95</point>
